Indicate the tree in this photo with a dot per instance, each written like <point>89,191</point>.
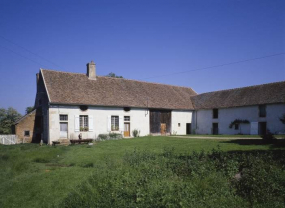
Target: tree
<point>111,74</point>
<point>282,119</point>
<point>7,119</point>
<point>29,109</point>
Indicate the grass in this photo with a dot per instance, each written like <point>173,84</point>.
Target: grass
<point>45,176</point>
<point>228,136</point>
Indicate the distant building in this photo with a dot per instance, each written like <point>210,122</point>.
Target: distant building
<point>28,128</point>
<point>260,105</point>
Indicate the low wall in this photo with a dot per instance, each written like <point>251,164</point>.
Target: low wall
<point>8,139</point>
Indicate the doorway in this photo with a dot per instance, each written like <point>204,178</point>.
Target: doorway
<point>262,128</point>
<point>215,129</point>
<point>63,130</point>
<point>163,129</point>
<point>126,129</point>
<point>188,128</point>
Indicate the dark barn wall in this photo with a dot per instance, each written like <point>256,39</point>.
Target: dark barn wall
<point>157,117</point>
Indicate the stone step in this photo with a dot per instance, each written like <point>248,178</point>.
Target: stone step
<point>64,142</point>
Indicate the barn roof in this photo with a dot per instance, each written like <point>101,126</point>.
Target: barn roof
<point>23,117</point>
<point>78,89</point>
<point>246,96</point>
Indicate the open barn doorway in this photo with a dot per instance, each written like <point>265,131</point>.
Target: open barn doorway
<point>160,122</point>
<point>188,128</point>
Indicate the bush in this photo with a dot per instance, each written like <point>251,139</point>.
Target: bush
<point>136,133</point>
<point>110,136</point>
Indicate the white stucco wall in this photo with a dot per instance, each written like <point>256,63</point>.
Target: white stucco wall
<point>181,117</point>
<point>139,119</point>
<point>203,119</point>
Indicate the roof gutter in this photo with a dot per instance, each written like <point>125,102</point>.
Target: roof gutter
<point>77,104</point>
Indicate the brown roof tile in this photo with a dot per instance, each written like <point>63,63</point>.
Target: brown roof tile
<point>75,89</point>
<point>253,95</point>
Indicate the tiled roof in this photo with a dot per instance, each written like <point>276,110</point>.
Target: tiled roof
<point>246,96</point>
<point>76,89</point>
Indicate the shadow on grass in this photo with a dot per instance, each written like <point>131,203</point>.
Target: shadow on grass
<point>273,143</point>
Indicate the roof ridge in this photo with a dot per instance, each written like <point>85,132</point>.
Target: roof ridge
<point>134,80</point>
<point>62,71</point>
<point>258,85</point>
<point>122,78</point>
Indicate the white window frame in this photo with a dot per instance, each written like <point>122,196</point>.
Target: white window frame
<point>115,126</point>
<point>83,122</point>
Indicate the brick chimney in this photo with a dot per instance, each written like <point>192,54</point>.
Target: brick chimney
<point>91,70</point>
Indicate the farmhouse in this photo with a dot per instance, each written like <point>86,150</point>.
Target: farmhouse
<point>70,104</point>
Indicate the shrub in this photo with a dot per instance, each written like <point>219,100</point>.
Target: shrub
<point>84,129</point>
<point>136,133</point>
<point>238,121</point>
<point>110,136</point>
<point>174,133</point>
<point>268,135</point>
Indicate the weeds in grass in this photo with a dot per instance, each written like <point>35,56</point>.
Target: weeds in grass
<point>41,160</point>
<point>88,165</point>
<point>199,179</point>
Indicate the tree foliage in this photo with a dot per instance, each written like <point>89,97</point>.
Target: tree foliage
<point>29,109</point>
<point>238,121</point>
<point>282,119</point>
<point>111,74</point>
<point>7,119</point>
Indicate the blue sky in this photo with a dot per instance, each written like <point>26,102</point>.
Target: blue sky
<point>139,39</point>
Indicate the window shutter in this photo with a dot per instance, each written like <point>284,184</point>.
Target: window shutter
<point>76,122</point>
<point>121,123</point>
<point>109,123</point>
<point>90,123</point>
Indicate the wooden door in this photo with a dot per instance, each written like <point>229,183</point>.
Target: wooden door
<point>163,129</point>
<point>126,129</point>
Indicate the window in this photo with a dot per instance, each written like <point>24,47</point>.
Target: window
<point>115,123</point>
<point>215,113</point>
<point>236,126</point>
<point>63,117</point>
<point>178,124</point>
<point>83,122</point>
<point>27,133</point>
<point>127,118</point>
<point>262,111</point>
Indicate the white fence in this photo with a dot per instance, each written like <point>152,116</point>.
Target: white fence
<point>8,139</point>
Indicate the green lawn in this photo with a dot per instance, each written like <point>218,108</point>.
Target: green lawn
<point>42,176</point>
<point>228,136</point>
